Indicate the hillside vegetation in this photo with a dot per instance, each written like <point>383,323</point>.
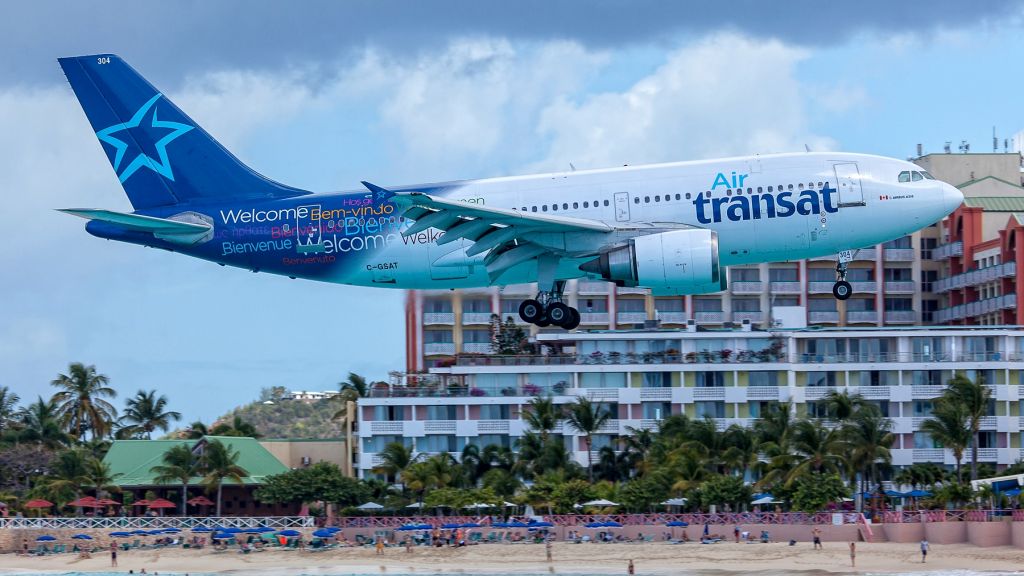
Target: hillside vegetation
<point>289,418</point>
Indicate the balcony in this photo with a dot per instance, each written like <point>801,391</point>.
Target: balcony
<point>751,316</point>
<point>948,250</point>
<point>763,393</point>
<point>987,422</point>
<point>655,394</point>
<point>439,426</point>
<point>937,455</point>
<point>868,287</point>
<point>387,428</point>
<point>586,288</point>
<point>823,317</point>
<point>872,392</point>
<point>625,290</point>
<point>710,317</point>
<point>818,392</point>
<point>820,287</point>
<point>671,317</point>
<point>786,288</point>
<point>709,393</point>
<point>476,347</point>
<point>862,316</point>
<point>899,254</point>
<point>476,318</point>
<point>492,426</point>
<point>438,348</point>
<point>723,423</point>
<point>900,316</point>
<point>863,254</point>
<point>900,287</point>
<point>975,277</point>
<point>631,317</point>
<point>747,287</point>
<point>923,392</point>
<point>439,318</point>
<point>519,290</point>
<point>600,318</point>
<point>972,309</point>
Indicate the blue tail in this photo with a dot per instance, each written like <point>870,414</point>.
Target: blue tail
<point>160,155</point>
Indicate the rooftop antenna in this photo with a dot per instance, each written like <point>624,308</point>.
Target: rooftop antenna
<point>807,148</point>
<point>964,147</point>
<point>572,167</point>
<point>947,146</point>
<point>995,141</point>
<point>920,150</point>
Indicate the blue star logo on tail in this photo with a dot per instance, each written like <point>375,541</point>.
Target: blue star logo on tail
<point>162,164</point>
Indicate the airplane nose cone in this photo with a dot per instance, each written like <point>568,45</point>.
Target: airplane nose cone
<point>953,198</point>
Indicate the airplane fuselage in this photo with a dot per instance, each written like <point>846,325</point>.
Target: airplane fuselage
<point>764,208</point>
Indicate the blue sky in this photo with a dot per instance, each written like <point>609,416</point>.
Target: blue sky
<point>395,92</point>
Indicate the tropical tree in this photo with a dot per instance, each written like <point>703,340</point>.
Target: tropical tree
<point>587,417</point>
<point>100,477</point>
<point>237,427</point>
<point>196,430</point>
<point>819,449</point>
<point>974,397</point>
<point>146,412</point>
<point>395,459</point>
<point>542,416</point>
<point>220,463</point>
<point>869,436</point>
<point>179,464</point>
<point>949,425</point>
<point>81,403</point>
<point>39,423</point>
<point>8,407</point>
<point>842,406</point>
<point>351,389</point>
<point>68,473</point>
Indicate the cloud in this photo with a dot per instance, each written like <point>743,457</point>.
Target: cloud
<point>271,35</point>
<point>725,95</point>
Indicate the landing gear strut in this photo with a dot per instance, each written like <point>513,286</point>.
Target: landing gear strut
<point>841,289</point>
<point>547,309</point>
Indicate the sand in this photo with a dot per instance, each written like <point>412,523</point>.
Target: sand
<point>650,558</point>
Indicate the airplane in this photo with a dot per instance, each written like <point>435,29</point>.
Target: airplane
<point>673,228</point>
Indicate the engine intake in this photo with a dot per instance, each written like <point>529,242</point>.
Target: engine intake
<point>669,263</point>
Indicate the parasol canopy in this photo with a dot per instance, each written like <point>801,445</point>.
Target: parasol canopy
<point>200,501</point>
<point>38,503</point>
<point>600,502</point>
<point>161,503</point>
<point>370,506</point>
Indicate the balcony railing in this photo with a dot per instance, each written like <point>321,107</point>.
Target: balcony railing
<point>594,318</point>
<point>747,287</point>
<point>823,317</point>
<point>592,288</point>
<point>899,254</point>
<point>861,316</point>
<point>864,286</point>
<point>671,317</point>
<point>476,347</point>
<point>900,287</point>
<point>762,393</point>
<point>519,289</point>
<point>627,290</point>
<point>709,317</point>
<point>445,318</point>
<point>863,254</point>
<point>900,316</point>
<point>476,318</point>
<point>631,317</point>
<point>752,317</point>
<point>948,250</point>
<point>975,277</point>
<point>436,348</point>
<point>820,287</point>
<point>972,309</point>
<point>786,287</point>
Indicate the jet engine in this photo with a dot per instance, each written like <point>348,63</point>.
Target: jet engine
<point>669,263</point>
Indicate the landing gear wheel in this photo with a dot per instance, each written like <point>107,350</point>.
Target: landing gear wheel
<point>842,290</point>
<point>558,313</point>
<point>543,322</point>
<point>574,319</point>
<point>531,311</point>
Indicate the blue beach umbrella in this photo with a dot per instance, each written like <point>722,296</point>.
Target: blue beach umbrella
<point>222,536</point>
<point>450,526</point>
<point>120,534</point>
<point>593,525</point>
<point>677,524</point>
<point>171,530</point>
<point>156,532</point>
<point>81,537</point>
<point>202,529</point>
<point>469,525</point>
<point>140,533</point>
<point>541,524</point>
<point>894,494</point>
<point>917,493</point>
<point>45,538</point>
<point>323,533</point>
<point>290,533</point>
<point>612,525</point>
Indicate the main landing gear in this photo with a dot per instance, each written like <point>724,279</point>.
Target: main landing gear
<point>841,289</point>
<point>549,310</point>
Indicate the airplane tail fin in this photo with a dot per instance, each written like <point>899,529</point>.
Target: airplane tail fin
<point>160,155</point>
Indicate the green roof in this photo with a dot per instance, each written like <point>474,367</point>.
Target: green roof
<point>996,203</point>
<point>134,459</point>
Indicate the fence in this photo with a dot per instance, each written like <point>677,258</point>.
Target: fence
<point>146,523</point>
<point>581,520</point>
<point>908,517</point>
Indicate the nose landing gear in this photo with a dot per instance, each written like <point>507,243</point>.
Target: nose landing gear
<point>841,289</point>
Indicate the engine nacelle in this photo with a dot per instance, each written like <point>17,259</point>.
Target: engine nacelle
<point>669,263</point>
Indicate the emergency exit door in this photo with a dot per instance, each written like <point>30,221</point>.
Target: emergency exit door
<point>851,193</point>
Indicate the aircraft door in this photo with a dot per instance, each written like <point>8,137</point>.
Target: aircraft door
<point>622,206</point>
<point>309,234</point>
<point>851,193</point>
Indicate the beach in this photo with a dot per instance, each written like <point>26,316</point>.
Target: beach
<point>650,558</point>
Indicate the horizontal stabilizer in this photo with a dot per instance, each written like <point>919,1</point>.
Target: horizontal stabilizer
<point>190,229</point>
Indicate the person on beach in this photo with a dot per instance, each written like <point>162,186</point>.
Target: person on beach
<point>853,554</point>
<point>408,545</point>
<point>924,550</point>
<point>113,555</point>
<point>380,546</point>
<point>547,549</point>
<point>631,570</point>
<point>24,546</point>
<point>816,534</point>
<point>736,533</point>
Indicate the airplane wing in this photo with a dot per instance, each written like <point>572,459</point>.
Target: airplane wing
<point>511,236</point>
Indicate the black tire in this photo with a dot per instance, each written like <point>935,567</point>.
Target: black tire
<point>558,314</point>
<point>531,311</point>
<point>842,290</point>
<point>574,319</point>
<point>543,322</point>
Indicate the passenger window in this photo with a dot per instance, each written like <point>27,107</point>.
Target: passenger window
<point>708,193</point>
<point>917,176</point>
<point>687,195</point>
<point>554,207</point>
<point>636,200</point>
<point>790,186</point>
<point>800,186</point>
<point>524,208</point>
<point>586,204</point>
<point>821,185</point>
<point>575,205</point>
<point>544,208</point>
<point>769,188</point>
<point>647,199</point>
<point>657,198</point>
<point>728,192</point>
<point>750,190</point>
<point>533,209</point>
<point>678,197</point>
<point>565,206</point>
<point>605,202</point>
<point>904,177</point>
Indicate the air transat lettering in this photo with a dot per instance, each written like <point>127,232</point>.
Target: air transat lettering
<point>761,206</point>
<point>734,181</point>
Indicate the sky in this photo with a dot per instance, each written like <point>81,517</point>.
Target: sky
<point>323,94</point>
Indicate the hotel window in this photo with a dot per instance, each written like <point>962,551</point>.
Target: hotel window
<point>388,413</point>
<point>437,337</point>
<point>746,305</point>
<point>783,274</point>
<point>477,306</point>
<point>821,379</point>
<point>594,305</point>
<point>761,408</point>
<point>763,379</point>
<point>874,378</point>
<point>494,412</point>
<point>437,306</point>
<point>707,304</point>
<point>923,408</point>
<point>476,336</point>
<point>899,304</point>
<point>656,410</point>
<point>485,440</point>
<point>437,443</point>
<point>657,380</point>
<point>745,274</point>
<point>898,275</point>
<point>603,380</point>
<point>926,377</point>
<point>710,409</point>
<point>922,440</point>
<point>630,305</point>
<point>710,379</point>
<point>899,243</point>
<point>668,304</point>
<point>442,412</point>
<point>817,410</point>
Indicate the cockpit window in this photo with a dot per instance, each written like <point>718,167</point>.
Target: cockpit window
<point>917,176</point>
<point>904,176</point>
<point>927,175</point>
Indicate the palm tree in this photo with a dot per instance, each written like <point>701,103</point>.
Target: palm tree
<point>220,462</point>
<point>542,416</point>
<point>179,465</point>
<point>395,459</point>
<point>949,426</point>
<point>39,422</point>
<point>841,406</point>
<point>974,397</point>
<point>8,407</point>
<point>68,474</point>
<point>145,412</point>
<point>80,401</point>
<point>818,449</point>
<point>237,427</point>
<point>869,435</point>
<point>99,476</point>
<point>587,417</point>
<point>196,430</point>
<point>351,389</point>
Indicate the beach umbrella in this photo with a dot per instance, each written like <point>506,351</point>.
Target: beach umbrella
<point>764,500</point>
<point>333,528</point>
<point>451,526</point>
<point>370,506</point>
<point>107,502</point>
<point>290,533</point>
<point>674,502</point>
<point>86,502</point>
<point>594,525</point>
<point>81,537</point>
<point>917,493</point>
<point>222,536</point>
<point>416,505</point>
<point>199,501</point>
<point>172,530</point>
<point>231,530</point>
<point>894,494</point>
<point>323,533</point>
<point>120,534</point>
<point>600,502</point>
<point>612,524</point>
<point>541,524</point>
<point>156,532</point>
<point>45,538</point>
<point>142,502</point>
<point>469,525</point>
<point>677,524</point>
<point>140,533</point>
<point>202,529</point>
<point>38,503</point>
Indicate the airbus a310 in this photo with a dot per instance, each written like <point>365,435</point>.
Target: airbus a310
<point>673,228</point>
